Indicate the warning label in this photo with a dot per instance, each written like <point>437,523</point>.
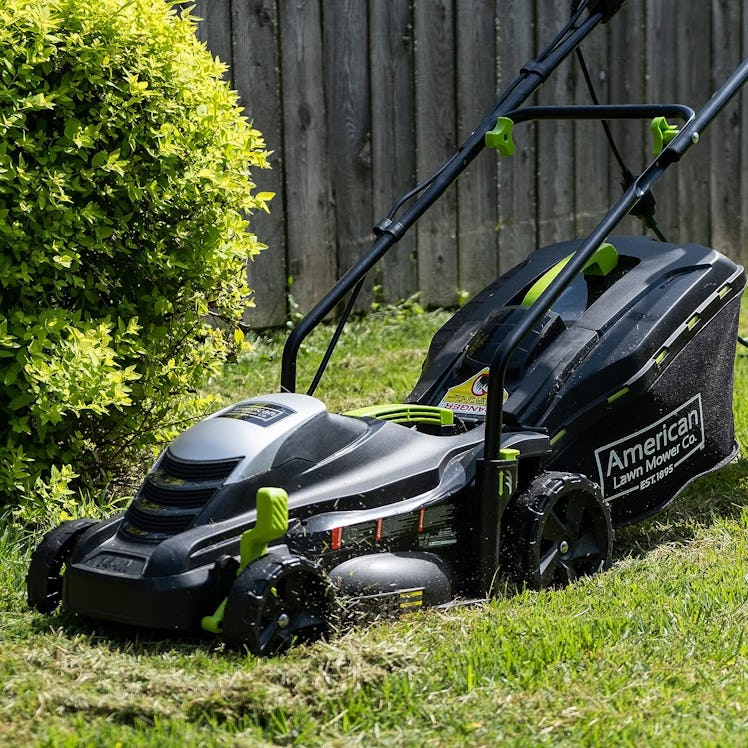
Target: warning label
<point>646,457</point>
<point>469,397</point>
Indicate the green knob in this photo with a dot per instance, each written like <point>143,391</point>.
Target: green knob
<point>500,138</point>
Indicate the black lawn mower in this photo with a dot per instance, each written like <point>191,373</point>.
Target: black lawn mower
<point>579,392</point>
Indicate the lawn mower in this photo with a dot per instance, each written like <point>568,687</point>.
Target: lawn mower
<point>579,392</point>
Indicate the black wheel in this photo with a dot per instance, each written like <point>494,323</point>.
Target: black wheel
<point>44,578</point>
<point>557,530</point>
<point>275,602</point>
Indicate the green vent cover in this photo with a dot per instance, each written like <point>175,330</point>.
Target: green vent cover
<point>406,413</point>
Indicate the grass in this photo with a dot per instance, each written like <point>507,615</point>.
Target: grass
<point>653,652</point>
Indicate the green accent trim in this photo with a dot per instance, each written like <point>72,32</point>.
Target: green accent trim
<point>617,395</point>
<point>724,290</point>
<point>508,472</point>
<point>693,321</point>
<point>662,355</point>
<point>558,436</point>
<point>662,133</point>
<point>603,262</point>
<point>406,413</point>
<point>271,524</point>
<point>500,138</point>
<point>214,624</point>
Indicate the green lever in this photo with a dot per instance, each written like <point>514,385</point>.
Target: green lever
<point>501,138</point>
<point>214,623</point>
<point>662,133</point>
<point>271,524</point>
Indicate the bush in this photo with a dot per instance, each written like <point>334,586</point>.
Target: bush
<point>124,191</point>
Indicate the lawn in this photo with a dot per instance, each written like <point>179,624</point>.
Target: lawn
<point>653,652</point>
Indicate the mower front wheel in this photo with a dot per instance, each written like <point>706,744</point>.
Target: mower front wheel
<point>44,577</point>
<point>555,531</point>
<point>275,602</point>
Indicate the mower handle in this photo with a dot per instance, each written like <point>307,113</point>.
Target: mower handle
<point>390,231</point>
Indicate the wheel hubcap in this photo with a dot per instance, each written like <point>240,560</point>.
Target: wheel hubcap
<point>283,621</point>
<point>563,547</point>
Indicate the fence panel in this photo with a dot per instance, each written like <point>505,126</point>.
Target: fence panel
<point>477,189</point>
<point>256,75</point>
<point>517,204</point>
<point>359,99</point>
<point>435,141</point>
<point>349,145</point>
<point>392,133</point>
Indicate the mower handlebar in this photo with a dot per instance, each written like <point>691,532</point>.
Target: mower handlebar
<point>531,78</point>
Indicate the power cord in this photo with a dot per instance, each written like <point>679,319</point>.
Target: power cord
<point>645,208</point>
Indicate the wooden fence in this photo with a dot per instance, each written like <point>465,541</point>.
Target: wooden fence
<point>360,99</point>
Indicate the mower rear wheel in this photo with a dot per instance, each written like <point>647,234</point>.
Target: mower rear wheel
<point>44,577</point>
<point>275,602</point>
<point>557,530</point>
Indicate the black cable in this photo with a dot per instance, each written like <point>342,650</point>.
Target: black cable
<point>596,102</point>
<point>645,208</point>
<point>336,336</point>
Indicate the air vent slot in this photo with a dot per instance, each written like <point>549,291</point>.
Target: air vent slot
<point>186,495</point>
<point>141,521</point>
<point>198,471</point>
<point>172,496</point>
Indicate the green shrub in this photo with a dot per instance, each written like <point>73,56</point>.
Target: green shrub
<point>124,192</point>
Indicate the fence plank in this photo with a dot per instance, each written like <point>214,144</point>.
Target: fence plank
<point>592,155</point>
<point>555,167</point>
<point>310,219</point>
<point>255,75</point>
<point>517,199</point>
<point>662,86</point>
<point>694,81</point>
<point>724,133</point>
<point>627,64</point>
<point>215,29</point>
<point>477,262</point>
<point>742,253</point>
<point>349,145</point>
<point>435,139</point>
<point>392,132</point>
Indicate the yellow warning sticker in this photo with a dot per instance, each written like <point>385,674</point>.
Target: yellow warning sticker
<point>469,397</point>
<point>412,598</point>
